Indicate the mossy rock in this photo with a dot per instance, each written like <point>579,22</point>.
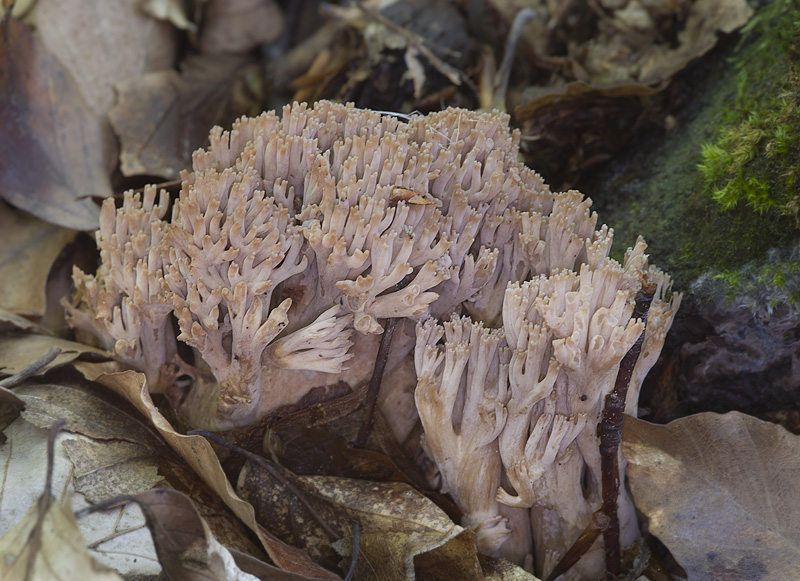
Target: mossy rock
<point>717,199</point>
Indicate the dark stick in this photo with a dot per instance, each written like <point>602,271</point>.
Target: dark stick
<point>45,500</point>
<point>375,382</point>
<point>611,433</point>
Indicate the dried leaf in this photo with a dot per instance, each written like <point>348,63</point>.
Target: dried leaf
<point>239,25</point>
<point>188,550</point>
<point>647,42</point>
<point>116,539</point>
<point>720,492</point>
<point>87,411</point>
<point>162,117</point>
<point>185,546</point>
<point>55,552</point>
<point>311,438</point>
<point>11,321</point>
<point>706,19</point>
<point>18,351</point>
<point>560,101</point>
<point>197,452</point>
<point>398,526</point>
<point>102,43</point>
<point>564,122</point>
<point>31,246</point>
<point>496,569</point>
<point>310,451</point>
<point>131,456</point>
<point>394,556</point>
<point>46,543</point>
<point>10,408</point>
<point>55,152</point>
<point>107,469</point>
<point>21,9</point>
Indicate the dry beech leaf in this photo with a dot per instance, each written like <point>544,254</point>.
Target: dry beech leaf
<point>398,526</point>
<point>102,43</point>
<point>87,411</point>
<point>495,569</point>
<point>112,468</point>
<point>21,10</point>
<point>55,153</point>
<point>162,117</point>
<point>30,247</point>
<point>573,99</point>
<point>338,411</point>
<point>117,539</point>
<point>10,408</point>
<point>239,25</point>
<point>55,552</point>
<point>18,351</point>
<point>706,19</point>
<point>129,458</point>
<point>199,455</point>
<point>11,321</point>
<point>400,556</point>
<point>186,548</point>
<point>720,492</point>
<point>632,44</point>
<point>311,451</point>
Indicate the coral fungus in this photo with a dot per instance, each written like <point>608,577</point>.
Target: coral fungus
<point>292,239</point>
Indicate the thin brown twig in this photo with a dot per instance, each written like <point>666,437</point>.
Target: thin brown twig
<point>45,500</point>
<point>610,432</point>
<point>504,72</point>
<point>32,369</point>
<point>375,382</point>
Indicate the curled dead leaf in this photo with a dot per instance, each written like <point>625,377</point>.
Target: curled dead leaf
<point>46,544</point>
<point>87,37</point>
<point>29,250</point>
<point>161,117</point>
<point>55,153</point>
<point>59,555</point>
<point>199,455</point>
<point>720,491</point>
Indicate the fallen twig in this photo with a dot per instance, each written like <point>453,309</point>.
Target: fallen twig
<point>610,431</point>
<point>375,382</point>
<point>32,369</point>
<point>504,72</point>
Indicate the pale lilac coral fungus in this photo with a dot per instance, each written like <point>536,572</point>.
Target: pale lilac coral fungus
<point>294,236</point>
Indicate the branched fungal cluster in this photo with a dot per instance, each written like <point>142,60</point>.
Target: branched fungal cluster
<point>294,236</point>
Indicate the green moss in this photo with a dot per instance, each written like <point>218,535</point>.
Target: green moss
<point>718,193</point>
<point>754,156</point>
